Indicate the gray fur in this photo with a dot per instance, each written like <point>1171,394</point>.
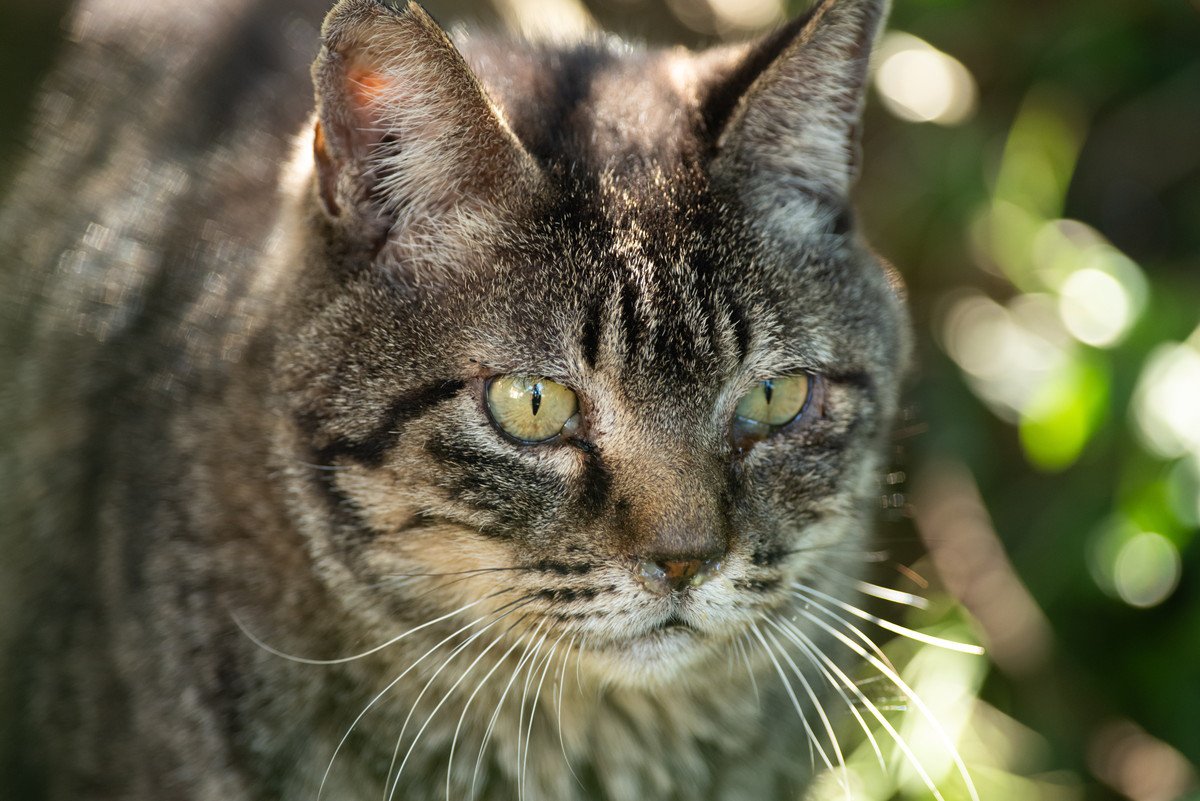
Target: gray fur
<point>247,404</point>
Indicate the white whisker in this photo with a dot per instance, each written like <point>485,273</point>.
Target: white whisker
<point>928,639</point>
<point>787,685</point>
<point>562,676</point>
<point>458,649</point>
<point>467,706</point>
<point>908,692</point>
<point>861,635</point>
<point>530,668</point>
<point>819,707</point>
<point>393,775</point>
<point>381,694</point>
<point>340,661</point>
<point>446,695</point>
<point>749,668</point>
<point>533,711</point>
<point>487,735</point>
<point>578,658</point>
<point>874,590</point>
<point>807,648</point>
<point>895,596</point>
<point>877,714</point>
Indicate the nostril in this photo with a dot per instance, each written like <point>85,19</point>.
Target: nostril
<point>680,570</point>
<point>666,575</point>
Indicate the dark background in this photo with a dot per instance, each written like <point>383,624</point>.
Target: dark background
<point>1050,458</point>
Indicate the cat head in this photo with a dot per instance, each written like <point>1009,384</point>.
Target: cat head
<point>585,340</point>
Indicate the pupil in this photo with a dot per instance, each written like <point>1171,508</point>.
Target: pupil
<point>536,399</point>
<point>767,389</point>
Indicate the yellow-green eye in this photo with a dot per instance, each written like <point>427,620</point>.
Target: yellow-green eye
<point>769,406</point>
<point>531,408</point>
<point>775,401</point>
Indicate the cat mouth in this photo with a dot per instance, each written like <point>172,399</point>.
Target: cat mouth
<point>673,623</point>
<point>671,630</point>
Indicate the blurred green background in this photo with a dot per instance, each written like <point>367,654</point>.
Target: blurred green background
<point>1033,169</point>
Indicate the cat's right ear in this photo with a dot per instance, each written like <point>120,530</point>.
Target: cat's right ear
<point>404,129</point>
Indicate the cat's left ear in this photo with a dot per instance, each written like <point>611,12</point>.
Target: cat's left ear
<point>790,142</point>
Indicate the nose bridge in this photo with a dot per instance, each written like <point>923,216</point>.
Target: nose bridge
<point>673,507</point>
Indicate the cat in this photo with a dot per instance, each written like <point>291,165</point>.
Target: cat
<point>508,432</point>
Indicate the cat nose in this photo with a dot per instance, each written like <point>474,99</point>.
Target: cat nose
<point>665,575</point>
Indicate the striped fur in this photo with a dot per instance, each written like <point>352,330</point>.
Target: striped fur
<point>273,440</point>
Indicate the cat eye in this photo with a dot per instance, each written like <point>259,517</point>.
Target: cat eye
<point>531,408</point>
<point>772,404</point>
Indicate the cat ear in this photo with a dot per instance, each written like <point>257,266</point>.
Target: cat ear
<point>790,141</point>
<point>404,128</point>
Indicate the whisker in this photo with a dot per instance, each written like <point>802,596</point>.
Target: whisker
<point>458,649</point>
<point>913,576</point>
<point>890,703</point>
<point>578,658</point>
<point>530,668</point>
<point>472,572</point>
<point>806,647</point>
<point>533,711</point>
<point>896,628</point>
<point>487,735</point>
<point>381,694</point>
<point>749,669</point>
<point>471,698</point>
<point>441,587</point>
<point>820,708</point>
<point>849,626</point>
<point>558,706</point>
<point>874,590</point>
<point>446,695</point>
<point>877,714</point>
<point>895,596</point>
<point>343,660</point>
<point>909,693</point>
<point>787,685</point>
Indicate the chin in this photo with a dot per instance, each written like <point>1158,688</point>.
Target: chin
<point>651,660</point>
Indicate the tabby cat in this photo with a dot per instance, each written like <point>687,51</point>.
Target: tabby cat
<point>512,432</point>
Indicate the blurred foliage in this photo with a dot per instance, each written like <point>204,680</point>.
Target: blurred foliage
<point>1048,228</point>
<point>1087,112</point>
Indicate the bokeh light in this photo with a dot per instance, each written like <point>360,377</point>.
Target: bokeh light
<point>1141,568</point>
<point>1007,352</point>
<point>920,83</point>
<point>736,15</point>
<point>947,682</point>
<point>1101,292</point>
<point>1183,490</point>
<point>1094,307</point>
<point>1138,765</point>
<point>1166,404</point>
<point>1147,569</point>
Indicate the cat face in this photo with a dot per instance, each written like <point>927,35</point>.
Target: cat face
<point>660,269</point>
